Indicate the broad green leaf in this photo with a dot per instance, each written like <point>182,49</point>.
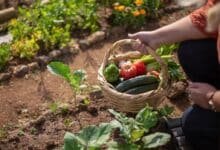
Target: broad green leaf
<point>137,134</point>
<point>156,139</point>
<point>76,78</point>
<point>166,111</point>
<point>59,68</point>
<point>167,49</point>
<point>93,136</point>
<point>70,143</point>
<point>119,116</point>
<point>113,145</point>
<point>126,125</point>
<point>148,117</point>
<point>79,75</point>
<point>115,124</point>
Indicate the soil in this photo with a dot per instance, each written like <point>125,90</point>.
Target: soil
<point>28,98</point>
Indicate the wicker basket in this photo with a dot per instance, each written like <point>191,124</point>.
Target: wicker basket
<point>127,102</point>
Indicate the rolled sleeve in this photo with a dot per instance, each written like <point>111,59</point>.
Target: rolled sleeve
<point>198,18</point>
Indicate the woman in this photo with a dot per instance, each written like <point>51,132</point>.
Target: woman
<point>198,56</point>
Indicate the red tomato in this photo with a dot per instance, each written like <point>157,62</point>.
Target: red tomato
<point>140,66</point>
<point>128,71</point>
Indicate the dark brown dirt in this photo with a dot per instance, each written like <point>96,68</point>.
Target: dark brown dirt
<point>27,98</point>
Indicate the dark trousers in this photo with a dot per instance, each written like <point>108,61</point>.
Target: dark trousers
<point>199,61</point>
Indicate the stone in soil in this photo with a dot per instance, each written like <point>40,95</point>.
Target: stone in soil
<point>5,76</point>
<point>42,60</point>
<point>84,44</point>
<point>96,37</point>
<point>97,94</point>
<point>92,39</point>
<point>54,54</point>
<point>20,71</point>
<point>73,47</point>
<point>5,38</point>
<point>33,66</point>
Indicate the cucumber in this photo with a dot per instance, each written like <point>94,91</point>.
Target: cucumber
<point>135,82</point>
<point>143,88</point>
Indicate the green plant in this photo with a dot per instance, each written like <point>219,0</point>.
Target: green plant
<point>4,54</point>
<point>134,12</point>
<point>33,130</point>
<point>49,26</point>
<point>132,130</point>
<point>53,107</point>
<point>68,122</point>
<point>75,79</point>
<point>3,133</point>
<point>90,138</point>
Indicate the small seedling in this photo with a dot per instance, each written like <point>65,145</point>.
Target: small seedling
<point>21,132</point>
<point>53,107</point>
<point>68,122</point>
<point>3,133</point>
<point>33,130</point>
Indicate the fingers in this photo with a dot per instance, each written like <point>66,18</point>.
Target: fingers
<point>133,36</point>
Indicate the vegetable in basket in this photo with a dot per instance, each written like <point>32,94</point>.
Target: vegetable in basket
<point>140,66</point>
<point>136,82</point>
<point>127,70</point>
<point>111,73</point>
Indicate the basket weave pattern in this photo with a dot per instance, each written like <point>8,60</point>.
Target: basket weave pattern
<point>127,102</point>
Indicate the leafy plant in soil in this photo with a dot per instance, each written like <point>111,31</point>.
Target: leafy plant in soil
<point>43,27</point>
<point>133,132</point>
<point>90,138</point>
<point>134,12</point>
<point>4,55</point>
<point>75,78</point>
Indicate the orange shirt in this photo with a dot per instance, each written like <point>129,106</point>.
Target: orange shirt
<point>198,17</point>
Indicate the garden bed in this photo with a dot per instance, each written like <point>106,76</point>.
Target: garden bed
<point>32,115</point>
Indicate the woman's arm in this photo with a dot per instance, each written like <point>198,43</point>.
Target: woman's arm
<point>178,31</point>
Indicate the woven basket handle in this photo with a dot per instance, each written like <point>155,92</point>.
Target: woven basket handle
<point>163,65</point>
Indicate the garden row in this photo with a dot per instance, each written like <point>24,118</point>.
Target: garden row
<point>42,28</point>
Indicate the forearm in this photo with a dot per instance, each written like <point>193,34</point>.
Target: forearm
<point>178,31</point>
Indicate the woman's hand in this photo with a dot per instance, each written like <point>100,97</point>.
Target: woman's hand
<point>146,37</point>
<point>198,93</point>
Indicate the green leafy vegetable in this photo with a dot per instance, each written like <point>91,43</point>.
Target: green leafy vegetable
<point>132,131</point>
<point>111,73</point>
<point>112,145</point>
<point>167,49</point>
<point>74,79</point>
<point>166,111</point>
<point>49,26</point>
<point>4,54</point>
<point>148,117</point>
<point>91,137</point>
<point>155,140</point>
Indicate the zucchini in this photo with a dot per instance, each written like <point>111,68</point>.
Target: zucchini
<point>143,88</point>
<point>136,81</point>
